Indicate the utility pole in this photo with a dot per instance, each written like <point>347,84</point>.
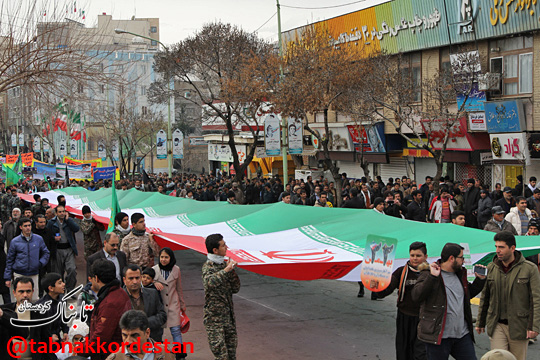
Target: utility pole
<point>284,135</point>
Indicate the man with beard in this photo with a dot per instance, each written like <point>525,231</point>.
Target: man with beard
<point>11,227</point>
<point>510,302</point>
<point>408,347</point>
<point>444,296</point>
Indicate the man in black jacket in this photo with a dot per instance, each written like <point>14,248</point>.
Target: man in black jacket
<point>40,228</point>
<point>408,347</point>
<point>109,252</point>
<point>355,202</point>
<point>470,199</point>
<point>145,299</point>
<point>54,289</point>
<point>416,209</point>
<point>507,202</point>
<point>23,291</point>
<point>444,295</point>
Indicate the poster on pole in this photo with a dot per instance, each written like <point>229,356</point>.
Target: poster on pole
<point>37,144</point>
<point>102,153</point>
<point>73,149</point>
<point>63,147</point>
<point>161,144</point>
<point>13,139</point>
<point>115,150</point>
<point>378,263</point>
<point>272,135</point>
<point>21,139</point>
<point>46,146</point>
<point>178,144</point>
<point>295,133</point>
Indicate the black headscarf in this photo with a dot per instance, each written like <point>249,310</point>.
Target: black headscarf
<point>171,263</point>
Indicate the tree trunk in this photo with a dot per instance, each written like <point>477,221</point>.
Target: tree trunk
<point>365,167</point>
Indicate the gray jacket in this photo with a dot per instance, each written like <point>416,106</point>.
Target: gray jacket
<point>507,226</point>
<point>484,209</point>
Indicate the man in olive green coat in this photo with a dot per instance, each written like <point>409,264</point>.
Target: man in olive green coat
<point>510,303</point>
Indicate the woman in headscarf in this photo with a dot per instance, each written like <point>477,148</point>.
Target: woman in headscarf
<point>168,282</point>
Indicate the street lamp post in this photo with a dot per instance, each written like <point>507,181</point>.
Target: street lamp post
<point>169,132</point>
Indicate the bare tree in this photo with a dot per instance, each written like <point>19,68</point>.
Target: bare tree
<point>226,68</point>
<point>317,73</point>
<point>423,113</point>
<point>132,130</point>
<point>49,57</point>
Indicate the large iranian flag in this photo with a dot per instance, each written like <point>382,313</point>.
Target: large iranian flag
<point>280,240</point>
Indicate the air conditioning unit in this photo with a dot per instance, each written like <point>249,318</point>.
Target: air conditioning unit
<point>489,82</point>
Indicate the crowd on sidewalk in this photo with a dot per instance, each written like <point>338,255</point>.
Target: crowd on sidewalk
<point>135,284</point>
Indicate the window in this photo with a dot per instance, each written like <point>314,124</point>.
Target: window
<point>412,71</point>
<point>102,88</point>
<point>187,94</point>
<point>513,58</point>
<point>445,64</point>
<point>525,73</point>
<point>153,43</point>
<point>153,29</point>
<point>144,110</point>
<point>80,88</point>
<point>143,90</point>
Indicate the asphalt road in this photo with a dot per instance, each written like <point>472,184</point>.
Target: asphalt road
<point>280,319</point>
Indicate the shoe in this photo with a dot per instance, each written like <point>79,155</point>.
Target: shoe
<point>374,296</point>
<point>362,292</point>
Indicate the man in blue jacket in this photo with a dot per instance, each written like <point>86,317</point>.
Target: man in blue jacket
<point>64,229</point>
<point>27,254</point>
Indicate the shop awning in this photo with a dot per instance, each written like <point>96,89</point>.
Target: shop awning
<point>421,153</point>
<point>266,163</point>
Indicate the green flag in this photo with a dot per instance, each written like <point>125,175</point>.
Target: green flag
<point>18,167</point>
<point>12,177</point>
<point>115,208</point>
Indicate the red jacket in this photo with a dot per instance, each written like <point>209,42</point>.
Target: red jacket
<point>105,318</point>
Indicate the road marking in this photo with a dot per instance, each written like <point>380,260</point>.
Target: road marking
<point>266,306</point>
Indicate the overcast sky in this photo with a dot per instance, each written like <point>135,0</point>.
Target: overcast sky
<point>181,18</point>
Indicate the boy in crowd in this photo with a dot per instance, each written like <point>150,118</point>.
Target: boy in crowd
<point>408,347</point>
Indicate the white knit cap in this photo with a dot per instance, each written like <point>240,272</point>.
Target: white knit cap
<point>78,328</point>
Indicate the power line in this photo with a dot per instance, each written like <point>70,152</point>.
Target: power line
<point>266,22</point>
<point>322,7</point>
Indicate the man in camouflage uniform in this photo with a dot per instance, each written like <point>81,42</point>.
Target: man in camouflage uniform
<point>220,282</point>
<point>6,211</point>
<point>90,229</point>
<point>14,201</point>
<point>139,246</point>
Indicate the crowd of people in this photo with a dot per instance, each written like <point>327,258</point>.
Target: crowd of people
<point>434,321</point>
<point>37,262</point>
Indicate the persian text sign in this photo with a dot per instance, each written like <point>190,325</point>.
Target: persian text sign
<point>504,116</point>
<point>512,146</point>
<point>436,131</point>
<point>477,121</point>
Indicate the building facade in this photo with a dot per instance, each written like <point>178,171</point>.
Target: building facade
<point>498,138</point>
